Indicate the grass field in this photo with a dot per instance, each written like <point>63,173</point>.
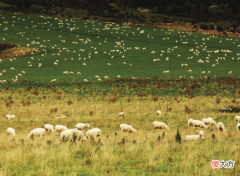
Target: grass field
<point>35,101</point>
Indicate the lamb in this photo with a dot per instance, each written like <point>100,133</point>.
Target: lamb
<point>221,127</point>
<point>196,123</point>
<point>49,127</point>
<point>238,127</point>
<point>8,116</point>
<point>11,131</point>
<point>195,137</point>
<point>209,121</point>
<point>127,128</point>
<point>159,112</point>
<point>93,134</point>
<point>160,125</point>
<point>237,118</point>
<point>121,114</point>
<point>82,126</point>
<point>60,128</point>
<point>37,132</point>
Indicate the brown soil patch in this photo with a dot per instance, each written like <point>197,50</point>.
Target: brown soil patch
<point>17,52</point>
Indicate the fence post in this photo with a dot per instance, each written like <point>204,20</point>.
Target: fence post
<point>72,112</point>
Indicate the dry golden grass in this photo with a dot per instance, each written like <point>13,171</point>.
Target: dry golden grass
<point>141,153</point>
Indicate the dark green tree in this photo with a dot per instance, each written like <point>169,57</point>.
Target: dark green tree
<point>178,138</point>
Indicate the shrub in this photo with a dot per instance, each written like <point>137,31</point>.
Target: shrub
<point>178,138</point>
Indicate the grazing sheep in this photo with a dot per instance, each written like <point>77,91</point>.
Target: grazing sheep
<point>49,127</point>
<point>209,121</point>
<point>85,80</point>
<point>78,73</point>
<point>238,127</point>
<point>106,77</point>
<point>166,72</point>
<point>23,72</point>
<point>53,80</point>
<point>237,118</point>
<point>196,123</point>
<point>72,135</point>
<point>11,131</point>
<point>82,126</point>
<point>220,126</point>
<point>159,112</point>
<point>121,114</point>
<point>195,137</point>
<point>37,132</point>
<point>93,134</point>
<point>127,128</point>
<point>60,128</point>
<point>12,68</point>
<point>230,72</point>
<point>66,72</point>
<point>160,125</point>
<point>8,116</point>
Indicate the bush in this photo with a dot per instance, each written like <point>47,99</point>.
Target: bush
<point>178,138</point>
<point>231,109</point>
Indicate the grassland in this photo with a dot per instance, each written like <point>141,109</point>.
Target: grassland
<point>35,101</point>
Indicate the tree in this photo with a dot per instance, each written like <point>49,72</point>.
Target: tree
<point>178,137</point>
<point>19,4</point>
<point>27,4</point>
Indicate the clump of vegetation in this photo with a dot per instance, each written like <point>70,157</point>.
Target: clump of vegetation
<point>178,138</point>
<point>230,109</point>
<point>4,46</point>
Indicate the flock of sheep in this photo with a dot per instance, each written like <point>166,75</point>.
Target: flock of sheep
<point>94,134</point>
<point>120,49</point>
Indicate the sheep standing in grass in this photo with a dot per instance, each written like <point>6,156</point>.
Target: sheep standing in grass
<point>82,126</point>
<point>160,125</point>
<point>8,116</point>
<point>11,131</point>
<point>93,134</point>
<point>53,80</point>
<point>72,135</point>
<point>127,128</point>
<point>38,132</point>
<point>49,127</point>
<point>238,127</point>
<point>196,123</point>
<point>195,137</point>
<point>209,121</point>
<point>159,112</point>
<point>237,118</point>
<point>121,114</point>
<point>220,126</point>
<point>60,128</point>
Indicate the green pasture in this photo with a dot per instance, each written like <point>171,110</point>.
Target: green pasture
<point>49,32</point>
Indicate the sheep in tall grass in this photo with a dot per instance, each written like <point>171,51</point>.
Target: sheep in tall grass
<point>160,125</point>
<point>195,137</point>
<point>38,132</point>
<point>53,80</point>
<point>121,114</point>
<point>72,135</point>
<point>127,128</point>
<point>209,121</point>
<point>60,128</point>
<point>238,127</point>
<point>230,72</point>
<point>11,131</point>
<point>93,134</point>
<point>196,123</point>
<point>166,72</point>
<point>8,116</point>
<point>82,126</point>
<point>220,126</point>
<point>237,118</point>
<point>65,72</point>
<point>85,80</point>
<point>12,68</point>
<point>159,112</point>
<point>49,127</point>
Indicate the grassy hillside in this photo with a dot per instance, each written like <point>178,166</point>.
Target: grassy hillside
<point>47,33</point>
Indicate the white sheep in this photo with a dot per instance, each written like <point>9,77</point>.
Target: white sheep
<point>160,125</point>
<point>11,131</point>
<point>85,80</point>
<point>238,127</point>
<point>82,126</point>
<point>121,114</point>
<point>53,80</point>
<point>49,127</point>
<point>209,121</point>
<point>72,135</point>
<point>8,116</point>
<point>230,72</point>
<point>106,77</point>
<point>195,137</point>
<point>159,112</point>
<point>37,132</point>
<point>220,126</point>
<point>60,128</point>
<point>93,134</point>
<point>196,123</point>
<point>237,118</point>
<point>127,128</point>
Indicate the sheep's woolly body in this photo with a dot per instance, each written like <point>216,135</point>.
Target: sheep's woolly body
<point>37,132</point>
<point>220,126</point>
<point>93,134</point>
<point>209,121</point>
<point>60,128</point>
<point>196,123</point>
<point>160,125</point>
<point>127,128</point>
<point>82,126</point>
